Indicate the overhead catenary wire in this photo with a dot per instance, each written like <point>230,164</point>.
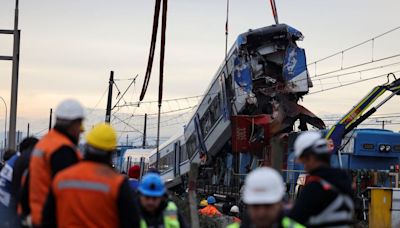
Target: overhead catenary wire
<point>351,83</point>
<point>373,39</point>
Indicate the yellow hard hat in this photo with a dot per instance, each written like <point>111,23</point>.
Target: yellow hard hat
<point>203,203</point>
<point>103,137</point>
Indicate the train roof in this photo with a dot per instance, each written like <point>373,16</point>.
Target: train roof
<point>138,152</point>
<point>376,131</point>
<point>169,141</point>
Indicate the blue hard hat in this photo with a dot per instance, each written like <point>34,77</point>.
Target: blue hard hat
<point>151,185</point>
<point>211,200</point>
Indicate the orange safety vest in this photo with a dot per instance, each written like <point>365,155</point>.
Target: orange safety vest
<point>86,195</point>
<point>40,170</point>
<point>210,210</point>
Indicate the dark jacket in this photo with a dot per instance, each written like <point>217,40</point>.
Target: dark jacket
<point>313,199</point>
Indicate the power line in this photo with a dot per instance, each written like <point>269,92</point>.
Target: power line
<point>356,65</point>
<point>351,83</point>
<point>354,46</point>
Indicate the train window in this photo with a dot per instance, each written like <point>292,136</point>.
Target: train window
<point>211,116</point>
<point>368,146</point>
<point>396,148</point>
<point>191,145</point>
<point>184,155</point>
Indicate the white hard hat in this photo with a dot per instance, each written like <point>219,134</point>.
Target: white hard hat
<point>310,140</point>
<point>235,209</point>
<point>263,186</point>
<point>70,110</point>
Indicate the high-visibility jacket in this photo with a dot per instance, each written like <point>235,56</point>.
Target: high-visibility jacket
<point>210,210</point>
<point>86,195</point>
<point>40,170</point>
<point>286,222</point>
<point>170,217</point>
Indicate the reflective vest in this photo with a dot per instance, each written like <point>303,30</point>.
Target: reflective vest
<point>170,217</point>
<point>338,212</point>
<point>6,175</point>
<point>210,211</point>
<point>285,223</point>
<point>86,195</point>
<point>40,170</point>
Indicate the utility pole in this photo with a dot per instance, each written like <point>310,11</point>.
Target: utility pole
<point>27,131</point>
<point>144,131</point>
<point>127,139</point>
<point>18,137</point>
<point>109,99</point>
<point>383,122</point>
<point>14,80</point>
<point>50,119</point>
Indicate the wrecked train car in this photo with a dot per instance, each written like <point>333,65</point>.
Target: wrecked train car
<point>255,95</point>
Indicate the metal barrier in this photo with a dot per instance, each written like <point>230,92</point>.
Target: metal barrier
<point>295,180</point>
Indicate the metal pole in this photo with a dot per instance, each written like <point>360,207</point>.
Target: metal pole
<point>5,123</point>
<point>109,99</point>
<point>51,118</point>
<point>14,81</point>
<point>27,131</point>
<point>144,131</point>
<point>158,135</point>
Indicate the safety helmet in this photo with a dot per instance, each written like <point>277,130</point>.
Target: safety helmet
<point>102,137</point>
<point>211,200</point>
<point>234,209</point>
<point>151,185</point>
<point>310,140</point>
<point>203,203</point>
<point>70,110</point>
<point>263,186</point>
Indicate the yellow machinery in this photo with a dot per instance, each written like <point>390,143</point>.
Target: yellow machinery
<point>384,208</point>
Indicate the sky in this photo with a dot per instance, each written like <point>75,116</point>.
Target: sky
<point>69,47</point>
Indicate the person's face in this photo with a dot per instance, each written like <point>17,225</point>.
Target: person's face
<point>76,129</point>
<point>150,204</point>
<point>309,163</point>
<point>264,215</point>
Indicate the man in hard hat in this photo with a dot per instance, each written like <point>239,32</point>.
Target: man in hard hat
<point>234,212</point>
<point>56,151</point>
<point>263,193</point>
<point>156,210</point>
<point>326,197</point>
<point>210,210</point>
<point>203,203</point>
<point>91,193</point>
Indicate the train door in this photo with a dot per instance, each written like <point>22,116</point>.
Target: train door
<point>177,161</point>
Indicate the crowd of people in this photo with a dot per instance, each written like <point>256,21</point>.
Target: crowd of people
<point>51,183</point>
<point>325,200</point>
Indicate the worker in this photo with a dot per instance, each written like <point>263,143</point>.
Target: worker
<point>156,210</point>
<point>263,194</point>
<point>91,193</point>
<point>234,212</point>
<point>210,210</point>
<point>203,203</point>
<point>56,151</point>
<point>326,197</point>
<point>20,176</point>
<point>8,216</point>
<point>134,175</point>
